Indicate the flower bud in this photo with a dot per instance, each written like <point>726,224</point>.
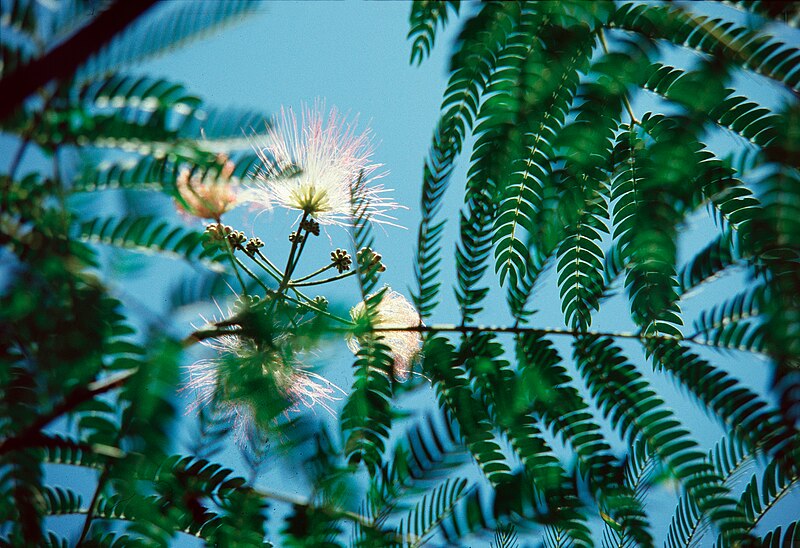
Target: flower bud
<point>341,260</point>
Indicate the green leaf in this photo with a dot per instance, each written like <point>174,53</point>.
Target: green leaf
<point>147,234</point>
<point>425,17</point>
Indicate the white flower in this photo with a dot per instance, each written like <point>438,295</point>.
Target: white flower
<point>393,310</point>
<point>315,168</point>
<point>209,377</point>
<point>207,196</point>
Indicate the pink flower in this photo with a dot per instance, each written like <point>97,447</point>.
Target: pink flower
<point>217,376</point>
<point>207,196</point>
<point>315,169</point>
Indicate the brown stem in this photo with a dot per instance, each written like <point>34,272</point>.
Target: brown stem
<point>65,58</point>
<point>536,330</point>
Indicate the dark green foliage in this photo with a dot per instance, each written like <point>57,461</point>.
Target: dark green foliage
<point>429,512</point>
<point>717,37</point>
<point>447,369</point>
<point>68,351</point>
<point>505,537</point>
<point>428,452</point>
<point>759,497</point>
<point>164,34</point>
<point>638,478</point>
<point>546,382</point>
<point>780,539</point>
<point>626,399</point>
<point>689,523</point>
<point>474,60</point>
<point>367,415</point>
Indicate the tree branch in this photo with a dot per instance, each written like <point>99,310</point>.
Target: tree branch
<point>65,58</point>
<point>77,397</point>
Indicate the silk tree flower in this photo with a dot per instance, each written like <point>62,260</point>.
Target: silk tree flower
<point>209,195</point>
<point>393,310</point>
<point>210,377</point>
<point>316,168</point>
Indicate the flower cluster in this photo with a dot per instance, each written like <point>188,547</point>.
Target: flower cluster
<point>321,167</point>
<point>341,260</point>
<point>370,261</point>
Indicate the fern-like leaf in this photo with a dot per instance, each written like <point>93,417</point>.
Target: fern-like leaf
<point>625,397</point>
<point>147,234</point>
<point>425,18</point>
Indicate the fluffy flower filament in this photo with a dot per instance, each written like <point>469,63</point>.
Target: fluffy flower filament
<point>313,168</point>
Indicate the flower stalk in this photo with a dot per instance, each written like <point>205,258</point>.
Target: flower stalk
<point>320,282</point>
<point>315,273</point>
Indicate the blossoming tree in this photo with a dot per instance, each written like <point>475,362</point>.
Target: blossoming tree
<point>588,156</point>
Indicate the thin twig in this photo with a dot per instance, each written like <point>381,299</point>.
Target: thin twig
<point>267,265</point>
<point>287,273</point>
<point>558,331</point>
<point>251,274</point>
<point>90,512</point>
<point>15,162</point>
<point>537,330</point>
<point>233,259</point>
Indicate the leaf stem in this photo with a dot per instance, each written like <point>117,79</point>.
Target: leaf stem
<point>290,262</point>
<point>275,271</point>
<point>625,99</point>
<point>229,251</point>
<point>250,273</point>
<point>519,330</point>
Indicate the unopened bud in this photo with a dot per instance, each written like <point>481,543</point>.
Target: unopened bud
<point>341,260</point>
<point>311,226</point>
<point>253,245</point>
<point>237,238</point>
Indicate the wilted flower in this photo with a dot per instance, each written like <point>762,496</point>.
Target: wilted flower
<point>209,195</point>
<point>393,310</point>
<point>211,376</point>
<point>315,168</point>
